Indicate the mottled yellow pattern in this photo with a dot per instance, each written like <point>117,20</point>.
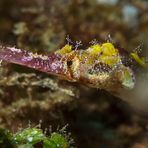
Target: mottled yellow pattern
<point>66,49</point>
<point>105,53</point>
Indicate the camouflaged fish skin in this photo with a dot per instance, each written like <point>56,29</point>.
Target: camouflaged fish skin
<point>100,65</point>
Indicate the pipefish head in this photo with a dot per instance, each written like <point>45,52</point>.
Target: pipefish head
<point>102,67</point>
<point>99,66</point>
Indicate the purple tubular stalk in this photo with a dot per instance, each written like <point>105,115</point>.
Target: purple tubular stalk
<point>52,63</point>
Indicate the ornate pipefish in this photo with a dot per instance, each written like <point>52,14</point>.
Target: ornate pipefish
<point>100,66</point>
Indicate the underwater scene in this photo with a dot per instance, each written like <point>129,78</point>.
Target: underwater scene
<point>73,74</point>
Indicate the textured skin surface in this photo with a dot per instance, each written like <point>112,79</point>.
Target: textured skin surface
<point>98,66</point>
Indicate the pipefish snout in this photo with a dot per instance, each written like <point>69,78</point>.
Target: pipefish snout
<point>101,66</point>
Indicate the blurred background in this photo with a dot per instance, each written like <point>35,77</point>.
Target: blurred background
<point>96,119</point>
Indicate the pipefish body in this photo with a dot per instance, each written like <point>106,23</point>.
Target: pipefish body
<point>101,66</point>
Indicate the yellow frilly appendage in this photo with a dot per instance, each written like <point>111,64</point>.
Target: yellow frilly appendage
<point>141,61</point>
<point>66,49</point>
<point>106,53</point>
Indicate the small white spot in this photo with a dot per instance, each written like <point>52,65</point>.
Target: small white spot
<point>34,132</point>
<point>55,65</point>
<point>13,49</point>
<point>27,58</point>
<point>30,139</point>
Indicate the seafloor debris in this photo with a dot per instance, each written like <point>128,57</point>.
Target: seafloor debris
<point>31,136</point>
